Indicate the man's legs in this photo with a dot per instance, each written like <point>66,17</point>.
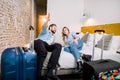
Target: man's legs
<point>53,61</point>
<point>56,50</point>
<point>41,51</point>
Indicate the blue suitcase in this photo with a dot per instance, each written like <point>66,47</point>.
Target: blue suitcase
<point>18,64</point>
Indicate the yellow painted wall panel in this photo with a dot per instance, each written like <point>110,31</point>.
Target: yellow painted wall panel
<point>109,28</point>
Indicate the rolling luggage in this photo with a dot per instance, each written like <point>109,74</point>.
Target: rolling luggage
<point>92,69</point>
<point>18,63</point>
<point>86,58</point>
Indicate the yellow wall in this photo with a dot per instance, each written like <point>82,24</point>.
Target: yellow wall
<point>109,28</point>
<point>40,23</point>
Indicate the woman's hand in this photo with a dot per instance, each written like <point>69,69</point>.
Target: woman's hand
<point>76,41</point>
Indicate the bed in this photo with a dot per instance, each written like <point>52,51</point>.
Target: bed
<point>67,61</point>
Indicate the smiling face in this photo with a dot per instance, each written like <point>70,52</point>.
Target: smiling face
<point>53,28</point>
<point>65,31</point>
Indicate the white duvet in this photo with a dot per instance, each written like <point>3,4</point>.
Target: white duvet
<point>67,60</point>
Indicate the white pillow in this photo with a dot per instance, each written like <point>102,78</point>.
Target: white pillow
<point>81,35</point>
<point>118,51</point>
<point>91,39</point>
<point>115,43</point>
<point>107,41</point>
<point>85,37</point>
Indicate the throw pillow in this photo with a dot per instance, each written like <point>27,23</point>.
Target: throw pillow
<point>118,50</point>
<point>85,37</point>
<point>107,41</point>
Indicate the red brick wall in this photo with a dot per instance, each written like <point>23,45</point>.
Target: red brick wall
<point>15,19</point>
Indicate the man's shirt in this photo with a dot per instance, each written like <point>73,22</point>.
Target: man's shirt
<point>46,35</point>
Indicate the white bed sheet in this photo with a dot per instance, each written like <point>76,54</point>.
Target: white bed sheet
<point>67,60</point>
<point>107,54</point>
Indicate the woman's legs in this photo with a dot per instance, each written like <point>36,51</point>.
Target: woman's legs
<point>74,49</point>
<point>67,49</point>
<point>80,45</point>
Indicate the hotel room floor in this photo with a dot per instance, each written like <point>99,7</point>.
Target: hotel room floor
<point>75,76</point>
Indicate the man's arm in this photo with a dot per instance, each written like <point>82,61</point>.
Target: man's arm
<point>45,23</point>
<point>46,19</point>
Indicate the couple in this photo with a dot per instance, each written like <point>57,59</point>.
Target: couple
<point>45,42</point>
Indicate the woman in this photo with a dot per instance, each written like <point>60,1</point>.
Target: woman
<point>72,45</point>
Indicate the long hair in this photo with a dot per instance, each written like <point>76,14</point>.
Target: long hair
<point>64,35</point>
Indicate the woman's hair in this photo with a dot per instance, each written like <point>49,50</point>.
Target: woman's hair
<point>64,35</point>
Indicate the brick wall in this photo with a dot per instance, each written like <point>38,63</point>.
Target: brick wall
<point>15,19</point>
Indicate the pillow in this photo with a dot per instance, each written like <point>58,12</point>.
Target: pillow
<point>85,37</point>
<point>80,34</point>
<point>107,41</point>
<point>91,39</point>
<point>115,43</point>
<point>118,51</point>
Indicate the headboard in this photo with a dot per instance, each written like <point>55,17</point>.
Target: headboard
<point>109,28</point>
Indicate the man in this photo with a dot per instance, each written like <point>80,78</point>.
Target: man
<point>43,44</point>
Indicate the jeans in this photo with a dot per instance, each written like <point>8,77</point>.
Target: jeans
<point>41,48</point>
<point>74,49</point>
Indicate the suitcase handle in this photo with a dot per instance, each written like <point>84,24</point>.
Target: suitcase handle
<point>99,31</point>
<point>102,31</point>
<point>25,49</point>
<point>31,28</point>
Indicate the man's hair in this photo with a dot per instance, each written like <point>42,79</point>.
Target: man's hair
<point>51,25</point>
